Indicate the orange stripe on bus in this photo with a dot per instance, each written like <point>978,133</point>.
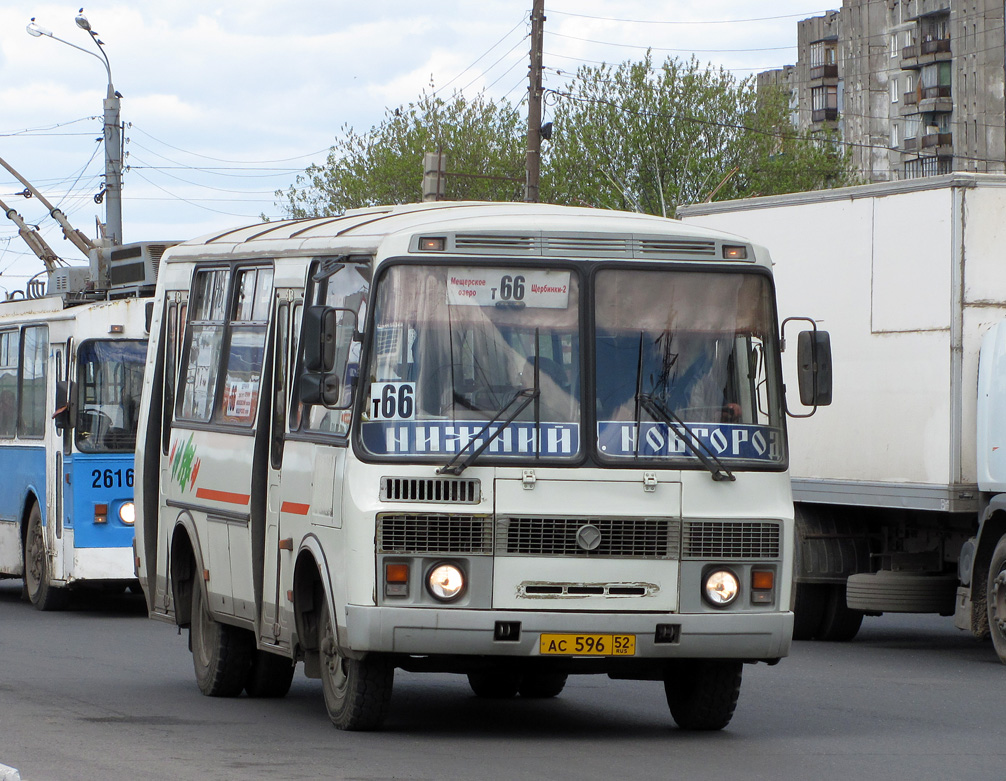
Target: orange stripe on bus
<point>295,508</point>
<point>222,496</point>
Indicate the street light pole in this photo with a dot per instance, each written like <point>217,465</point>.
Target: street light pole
<point>112,193</point>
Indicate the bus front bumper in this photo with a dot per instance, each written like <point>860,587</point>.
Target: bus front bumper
<point>421,631</point>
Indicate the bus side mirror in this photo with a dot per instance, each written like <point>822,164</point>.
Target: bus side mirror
<point>324,389</point>
<point>319,338</point>
<point>813,357</point>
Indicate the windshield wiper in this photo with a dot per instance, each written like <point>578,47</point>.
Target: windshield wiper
<point>525,396</point>
<point>659,411</point>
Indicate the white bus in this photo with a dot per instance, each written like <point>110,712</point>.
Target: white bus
<point>504,440</point>
<point>70,382</point>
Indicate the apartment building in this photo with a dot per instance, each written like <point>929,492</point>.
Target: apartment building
<point>914,87</point>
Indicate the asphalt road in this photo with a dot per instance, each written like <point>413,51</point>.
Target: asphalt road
<point>101,692</point>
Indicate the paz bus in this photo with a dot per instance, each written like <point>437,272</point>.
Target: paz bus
<point>510,441</point>
<point>70,382</point>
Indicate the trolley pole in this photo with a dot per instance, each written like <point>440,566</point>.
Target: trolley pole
<point>533,164</point>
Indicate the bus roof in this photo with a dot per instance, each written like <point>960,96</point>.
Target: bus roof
<point>362,231</point>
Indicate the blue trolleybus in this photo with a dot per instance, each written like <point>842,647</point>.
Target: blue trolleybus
<point>70,382</point>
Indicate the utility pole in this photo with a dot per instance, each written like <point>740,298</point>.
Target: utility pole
<point>534,103</point>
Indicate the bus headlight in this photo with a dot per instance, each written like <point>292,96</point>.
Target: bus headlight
<point>720,588</point>
<point>127,513</point>
<point>446,582</point>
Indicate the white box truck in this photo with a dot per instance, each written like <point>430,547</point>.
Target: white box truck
<point>900,485</point>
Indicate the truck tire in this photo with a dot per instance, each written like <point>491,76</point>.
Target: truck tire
<point>996,603</point>
<point>221,654</point>
<point>37,574</point>
<point>808,612</point>
<point>902,592</point>
<point>357,691</point>
<point>840,623</point>
<point>702,693</point>
<point>270,675</point>
<point>495,684</point>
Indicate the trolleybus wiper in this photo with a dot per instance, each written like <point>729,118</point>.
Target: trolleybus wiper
<point>659,411</point>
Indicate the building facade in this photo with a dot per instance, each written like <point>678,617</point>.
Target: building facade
<point>913,87</point>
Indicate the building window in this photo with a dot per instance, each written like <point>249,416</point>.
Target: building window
<point>895,135</point>
<point>895,90</point>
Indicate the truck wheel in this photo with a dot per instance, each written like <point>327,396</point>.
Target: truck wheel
<point>270,675</point>
<point>41,593</point>
<point>702,693</point>
<point>542,685</point>
<point>221,654</point>
<point>495,684</point>
<point>357,691</point>
<point>808,612</point>
<point>840,622</point>
<point>997,599</point>
<point>902,592</point>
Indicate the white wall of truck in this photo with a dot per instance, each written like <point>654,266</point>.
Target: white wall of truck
<point>909,278</point>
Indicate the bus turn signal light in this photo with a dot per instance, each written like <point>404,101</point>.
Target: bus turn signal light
<point>396,580</point>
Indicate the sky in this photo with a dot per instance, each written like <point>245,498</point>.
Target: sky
<point>226,102</point>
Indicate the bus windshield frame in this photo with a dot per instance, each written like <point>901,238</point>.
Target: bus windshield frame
<point>452,343</point>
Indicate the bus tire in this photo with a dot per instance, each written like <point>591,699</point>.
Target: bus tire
<point>996,604</point>
<point>37,574</point>
<point>221,654</point>
<point>702,693</point>
<point>357,691</point>
<point>542,685</point>
<point>270,675</point>
<point>809,609</point>
<point>495,684</point>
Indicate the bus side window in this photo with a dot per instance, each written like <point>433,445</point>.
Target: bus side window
<point>208,313</point>
<point>280,380</point>
<point>8,384</point>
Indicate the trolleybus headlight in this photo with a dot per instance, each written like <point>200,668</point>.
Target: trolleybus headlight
<point>721,587</point>
<point>127,513</point>
<point>446,582</point>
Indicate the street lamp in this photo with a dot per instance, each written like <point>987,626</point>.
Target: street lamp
<point>113,131</point>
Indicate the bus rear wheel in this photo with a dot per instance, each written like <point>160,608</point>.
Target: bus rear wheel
<point>221,654</point>
<point>41,593</point>
<point>270,675</point>
<point>702,693</point>
<point>357,691</point>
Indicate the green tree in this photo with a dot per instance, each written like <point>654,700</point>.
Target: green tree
<point>483,141</point>
<point>637,137</point>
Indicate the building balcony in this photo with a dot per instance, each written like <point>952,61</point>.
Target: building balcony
<point>936,99</point>
<point>916,55</point>
<point>824,73</point>
<point>824,115</point>
<point>940,144</point>
<point>910,145</point>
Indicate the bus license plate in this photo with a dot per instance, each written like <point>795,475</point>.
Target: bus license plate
<point>587,645</point>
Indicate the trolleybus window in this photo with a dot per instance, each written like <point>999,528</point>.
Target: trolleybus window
<point>34,353</point>
<point>8,383</point>
<point>108,398</point>
<point>456,347</point>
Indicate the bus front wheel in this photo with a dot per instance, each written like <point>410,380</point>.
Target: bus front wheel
<point>357,691</point>
<point>221,654</point>
<point>37,574</point>
<point>702,693</point>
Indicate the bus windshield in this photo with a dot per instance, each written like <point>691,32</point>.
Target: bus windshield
<point>454,345</point>
<point>110,379</point>
<point>684,362</point>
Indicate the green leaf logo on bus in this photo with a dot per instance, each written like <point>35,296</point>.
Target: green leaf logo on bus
<point>184,464</point>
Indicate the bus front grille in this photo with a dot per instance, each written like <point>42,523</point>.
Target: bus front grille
<point>434,533</point>
<point>731,540</point>
<point>643,538</point>
<point>448,490</point>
